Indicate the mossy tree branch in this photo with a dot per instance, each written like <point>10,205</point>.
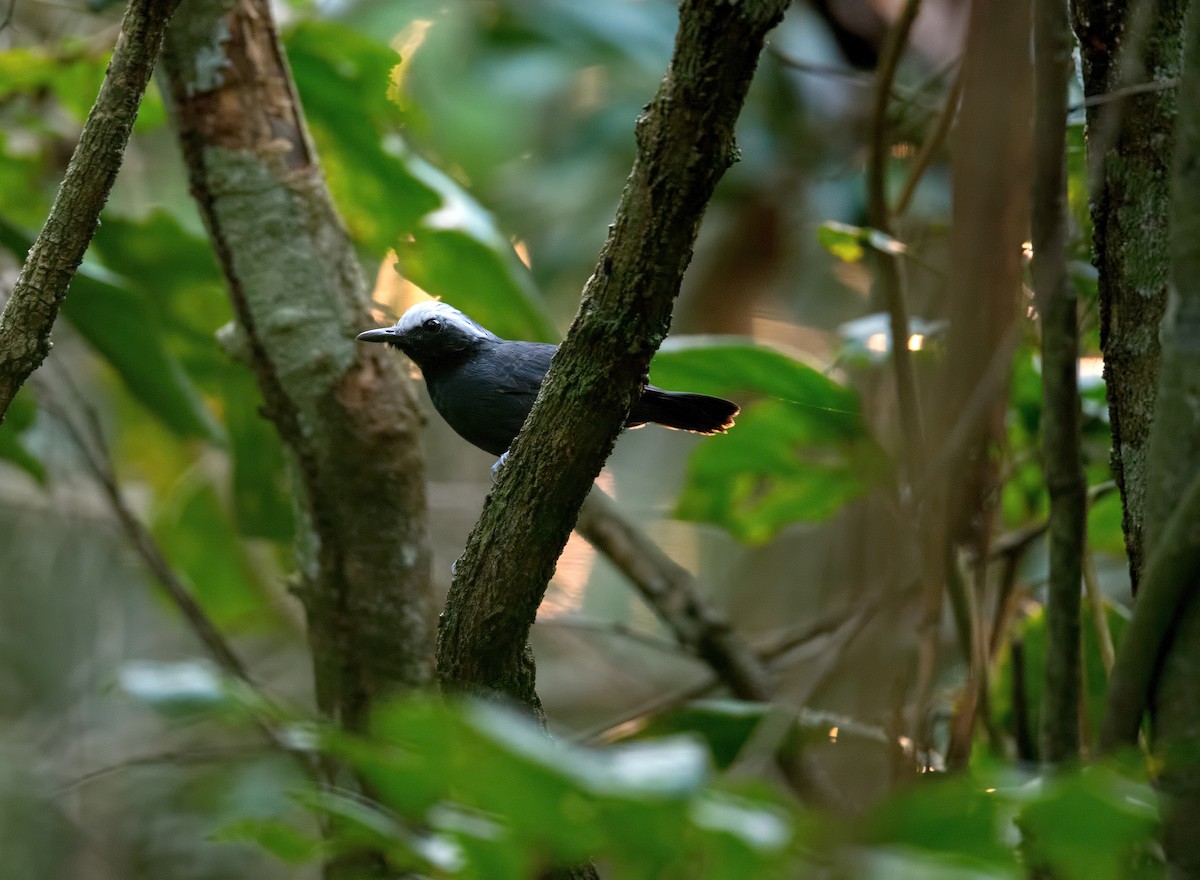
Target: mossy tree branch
<point>346,417</point>
<point>1162,645</point>
<point>42,285</point>
<point>1129,145</point>
<point>1059,734</point>
<point>685,142</point>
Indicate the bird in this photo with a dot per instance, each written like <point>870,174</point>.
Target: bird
<point>484,386</point>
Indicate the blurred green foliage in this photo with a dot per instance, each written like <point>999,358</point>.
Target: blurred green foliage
<point>460,136</point>
<point>474,790</point>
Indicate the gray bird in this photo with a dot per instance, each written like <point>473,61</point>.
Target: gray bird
<point>484,386</point>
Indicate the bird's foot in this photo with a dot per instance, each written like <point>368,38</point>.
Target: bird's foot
<point>499,464</point>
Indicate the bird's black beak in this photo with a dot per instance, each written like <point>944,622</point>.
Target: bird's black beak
<point>382,334</point>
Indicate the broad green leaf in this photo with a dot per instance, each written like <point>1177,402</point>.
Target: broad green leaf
<point>458,254</point>
<point>1092,825</point>
<point>841,240</point>
<point>725,725</point>
<point>120,324</point>
<point>741,838</point>
<point>343,78</point>
<point>957,817</point>
<point>732,365</point>
<point>205,547</point>
<point>797,456</point>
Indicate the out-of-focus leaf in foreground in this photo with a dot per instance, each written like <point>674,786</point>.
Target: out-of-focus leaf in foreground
<point>797,455</point>
<point>509,799</point>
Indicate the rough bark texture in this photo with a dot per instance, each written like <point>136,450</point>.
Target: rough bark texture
<point>346,417</point>
<point>1056,303</point>
<point>39,292</point>
<point>1130,141</point>
<point>685,143</point>
<point>1174,462</point>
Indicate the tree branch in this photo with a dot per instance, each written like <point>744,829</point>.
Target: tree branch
<point>32,308</point>
<point>891,282</point>
<point>670,590</point>
<point>347,419</point>
<point>685,143</point>
<point>1131,63</point>
<point>1167,585</point>
<point>1059,734</point>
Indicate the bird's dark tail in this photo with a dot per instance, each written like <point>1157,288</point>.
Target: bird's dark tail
<point>683,411</point>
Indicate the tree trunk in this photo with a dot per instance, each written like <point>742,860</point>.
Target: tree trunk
<point>346,417</point>
<point>1129,145</point>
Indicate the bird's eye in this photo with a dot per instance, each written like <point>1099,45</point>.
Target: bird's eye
<point>432,325</point>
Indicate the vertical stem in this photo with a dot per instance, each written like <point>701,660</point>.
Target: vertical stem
<point>1059,728</point>
<point>891,281</point>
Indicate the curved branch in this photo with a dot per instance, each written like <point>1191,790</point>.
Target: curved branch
<point>685,143</point>
<point>33,306</point>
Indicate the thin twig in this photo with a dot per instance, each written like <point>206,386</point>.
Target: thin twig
<point>855,77</point>
<point>90,441</point>
<point>671,592</point>
<point>932,144</point>
<point>847,626</point>
<point>613,628</point>
<point>1104,639</point>
<point>1125,92</point>
<point>210,755</point>
<point>891,282</point>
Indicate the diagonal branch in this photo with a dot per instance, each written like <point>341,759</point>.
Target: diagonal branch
<point>685,143</point>
<point>671,592</point>
<point>41,288</point>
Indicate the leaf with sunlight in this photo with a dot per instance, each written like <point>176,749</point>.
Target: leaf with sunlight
<point>797,456</point>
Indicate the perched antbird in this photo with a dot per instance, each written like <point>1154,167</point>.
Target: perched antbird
<point>484,386</point>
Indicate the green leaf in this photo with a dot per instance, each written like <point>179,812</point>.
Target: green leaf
<point>798,456</point>
<point>956,817</point>
<point>727,365</point>
<point>457,253</point>
<point>343,79</point>
<point>848,242</point>
<point>195,530</point>
<point>741,838</point>
<point>121,325</point>
<point>1091,825</point>
<point>725,725</point>
<point>21,413</point>
<point>841,240</point>
<point>281,839</point>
